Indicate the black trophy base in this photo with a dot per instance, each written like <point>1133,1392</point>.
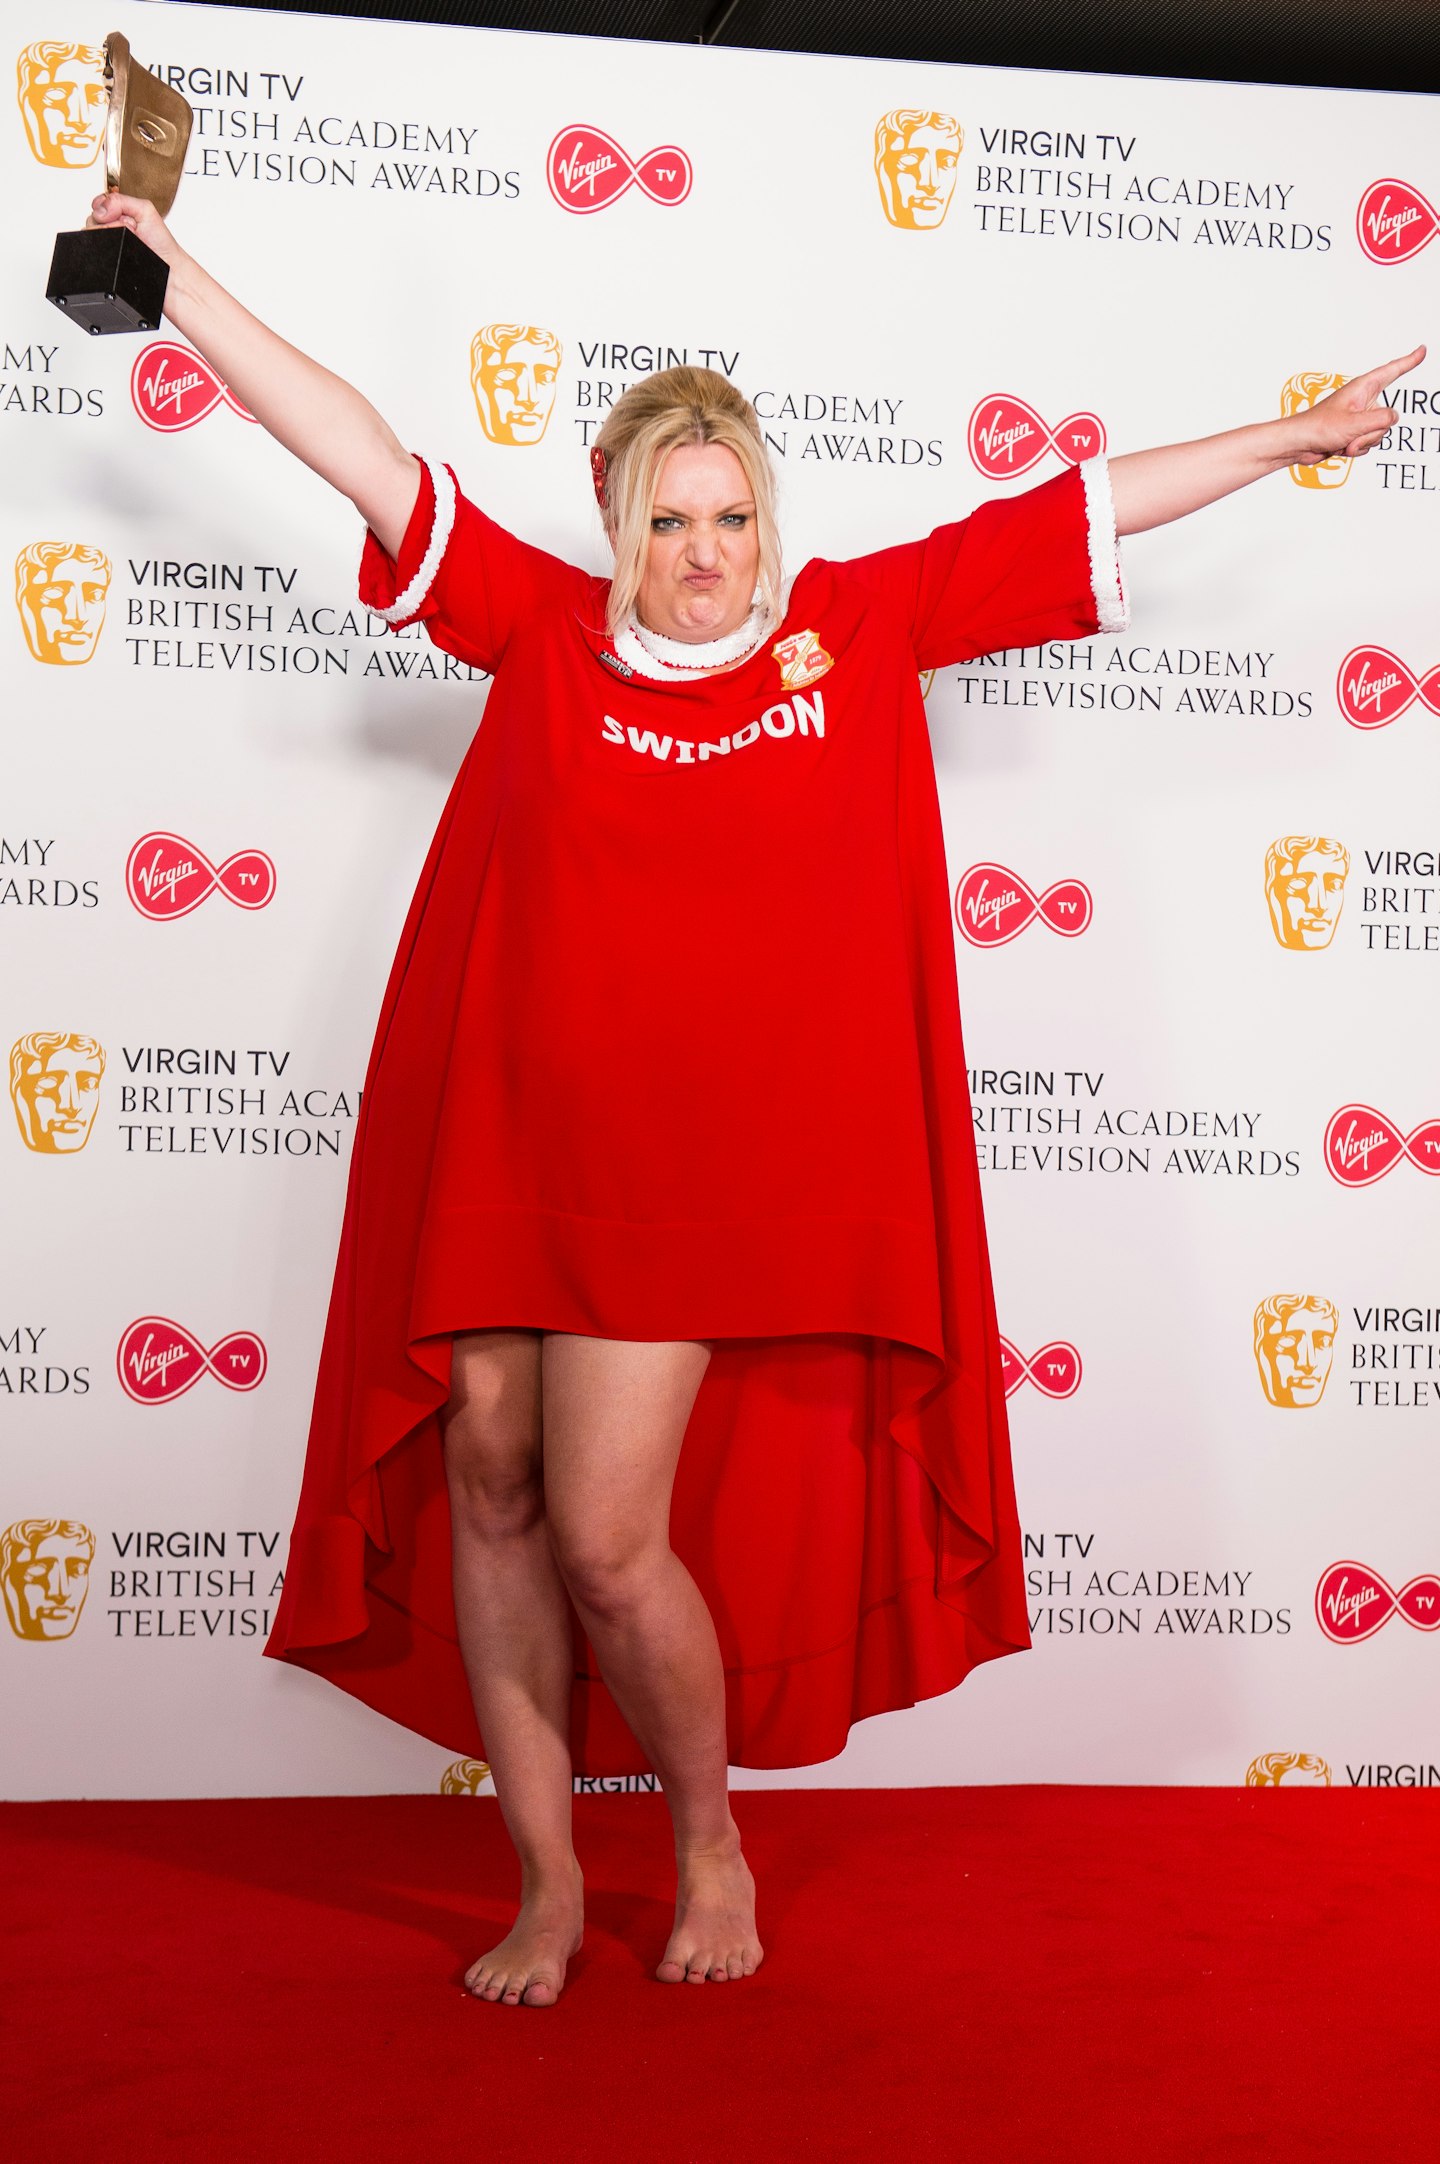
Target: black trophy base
<point>108,280</point>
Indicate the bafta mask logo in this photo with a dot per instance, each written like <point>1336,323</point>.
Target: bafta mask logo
<point>45,1573</point>
<point>63,101</point>
<point>1294,1346</point>
<point>514,368</point>
<point>55,1089</point>
<point>917,156</point>
<point>464,1778</point>
<point>60,590</point>
<point>1305,888</point>
<point>1302,391</point>
<point>1290,1769</point>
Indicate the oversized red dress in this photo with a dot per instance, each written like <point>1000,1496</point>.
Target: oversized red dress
<point>671,1049</point>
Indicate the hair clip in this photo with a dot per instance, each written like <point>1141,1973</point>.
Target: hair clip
<point>597,473</point>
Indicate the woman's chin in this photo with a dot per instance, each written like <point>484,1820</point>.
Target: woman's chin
<point>704,617</point>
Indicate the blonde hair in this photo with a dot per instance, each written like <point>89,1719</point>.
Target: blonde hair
<point>649,421</point>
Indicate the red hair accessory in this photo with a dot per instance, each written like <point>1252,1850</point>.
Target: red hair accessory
<point>597,474</point>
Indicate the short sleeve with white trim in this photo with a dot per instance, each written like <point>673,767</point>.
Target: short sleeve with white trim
<point>1019,570</point>
<point>462,575</point>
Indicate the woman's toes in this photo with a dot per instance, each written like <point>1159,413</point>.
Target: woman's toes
<point>671,1971</point>
<point>698,1970</point>
<point>735,1967</point>
<point>538,1992</point>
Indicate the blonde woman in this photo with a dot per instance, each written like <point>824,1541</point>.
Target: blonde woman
<point>665,1133</point>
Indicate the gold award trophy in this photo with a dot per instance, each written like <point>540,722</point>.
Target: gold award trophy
<point>106,278</point>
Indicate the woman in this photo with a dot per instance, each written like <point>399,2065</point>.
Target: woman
<point>665,1132</point>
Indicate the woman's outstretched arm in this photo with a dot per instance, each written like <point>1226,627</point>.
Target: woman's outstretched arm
<point>1152,487</point>
<point>317,415</point>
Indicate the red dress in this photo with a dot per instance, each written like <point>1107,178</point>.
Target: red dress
<point>671,1049</point>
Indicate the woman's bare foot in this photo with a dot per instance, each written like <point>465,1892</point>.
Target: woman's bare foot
<point>714,1937</point>
<point>527,1968</point>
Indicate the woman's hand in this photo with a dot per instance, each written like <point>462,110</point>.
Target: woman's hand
<point>1352,420</point>
<point>143,219</point>
<point>1153,487</point>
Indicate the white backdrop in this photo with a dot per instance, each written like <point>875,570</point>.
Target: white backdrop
<point>1153,1093</point>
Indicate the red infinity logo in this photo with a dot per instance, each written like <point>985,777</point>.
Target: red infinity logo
<point>1352,1602</point>
<point>171,387</point>
<point>1007,436</point>
<point>1394,221</point>
<point>587,170</point>
<point>1375,687</point>
<point>166,876</point>
<point>1361,1146</point>
<point>1055,1369</point>
<point>993,905</point>
<point>158,1360</point>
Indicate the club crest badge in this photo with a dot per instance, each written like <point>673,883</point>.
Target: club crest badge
<point>803,660</point>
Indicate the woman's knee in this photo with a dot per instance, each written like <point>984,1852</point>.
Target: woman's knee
<point>492,1432</point>
<point>609,1574</point>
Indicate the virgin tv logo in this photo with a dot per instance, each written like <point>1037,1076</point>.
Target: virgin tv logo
<point>1007,437</point>
<point>1055,1370</point>
<point>1394,221</point>
<point>587,171</point>
<point>1352,1602</point>
<point>1374,687</point>
<point>171,388</point>
<point>1362,1145</point>
<point>167,877</point>
<point>158,1360</point>
<point>993,905</point>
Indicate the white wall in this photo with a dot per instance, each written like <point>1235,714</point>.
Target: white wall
<point>1157,767</point>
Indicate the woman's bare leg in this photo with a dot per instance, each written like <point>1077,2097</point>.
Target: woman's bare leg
<point>515,1635</point>
<point>615,1415</point>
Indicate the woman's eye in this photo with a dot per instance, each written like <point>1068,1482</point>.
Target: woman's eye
<point>735,518</point>
<point>664,525</point>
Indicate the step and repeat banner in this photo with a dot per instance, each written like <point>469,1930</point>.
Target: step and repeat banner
<point>1193,866</point>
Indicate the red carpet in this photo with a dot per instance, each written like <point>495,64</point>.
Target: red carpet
<point>986,1974</point>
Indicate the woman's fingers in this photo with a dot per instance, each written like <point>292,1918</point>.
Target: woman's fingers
<point>1375,383</point>
<point>113,208</point>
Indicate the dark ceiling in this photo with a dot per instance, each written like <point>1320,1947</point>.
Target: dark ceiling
<point>1357,44</point>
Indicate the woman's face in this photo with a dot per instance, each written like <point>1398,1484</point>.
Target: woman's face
<point>704,546</point>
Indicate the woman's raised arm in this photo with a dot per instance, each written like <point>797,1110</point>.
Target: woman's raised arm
<point>1152,487</point>
<point>317,415</point>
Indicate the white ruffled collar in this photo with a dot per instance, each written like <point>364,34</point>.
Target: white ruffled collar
<point>677,661</point>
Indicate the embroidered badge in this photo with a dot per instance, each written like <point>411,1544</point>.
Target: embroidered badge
<point>803,660</point>
<point>613,661</point>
